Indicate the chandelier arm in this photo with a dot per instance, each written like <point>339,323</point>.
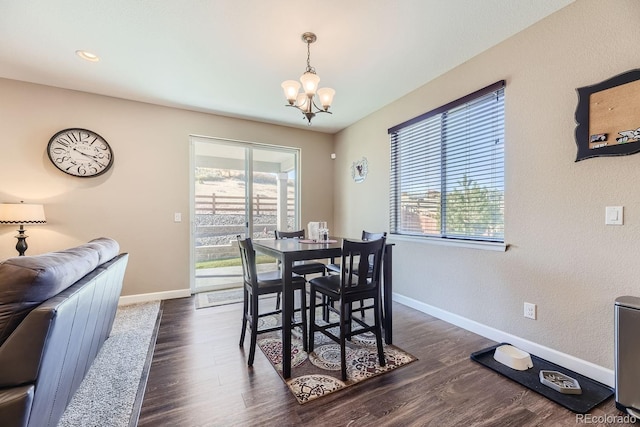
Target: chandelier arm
<point>320,110</point>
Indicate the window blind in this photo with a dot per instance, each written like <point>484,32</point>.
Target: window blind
<point>447,170</point>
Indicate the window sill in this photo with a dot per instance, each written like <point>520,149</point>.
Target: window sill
<point>470,244</point>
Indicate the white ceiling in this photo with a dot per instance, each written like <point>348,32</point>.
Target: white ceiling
<point>229,57</point>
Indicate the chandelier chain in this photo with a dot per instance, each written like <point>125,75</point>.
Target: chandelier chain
<point>310,69</point>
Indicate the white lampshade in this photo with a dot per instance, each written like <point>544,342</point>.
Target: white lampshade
<point>291,88</point>
<point>309,83</point>
<point>21,213</point>
<point>326,97</point>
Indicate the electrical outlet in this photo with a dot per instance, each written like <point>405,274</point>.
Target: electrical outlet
<point>530,310</point>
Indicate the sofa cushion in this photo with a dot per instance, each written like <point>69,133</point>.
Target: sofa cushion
<point>25,282</point>
<point>107,248</point>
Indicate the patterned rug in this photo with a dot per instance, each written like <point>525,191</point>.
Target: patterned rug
<point>318,374</point>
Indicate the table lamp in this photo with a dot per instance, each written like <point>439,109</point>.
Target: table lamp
<point>21,213</point>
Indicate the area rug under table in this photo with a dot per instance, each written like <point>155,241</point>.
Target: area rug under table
<point>593,392</point>
<point>318,374</point>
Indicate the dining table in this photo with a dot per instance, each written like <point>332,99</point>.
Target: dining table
<point>288,251</point>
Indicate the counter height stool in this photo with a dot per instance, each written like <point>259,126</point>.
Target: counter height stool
<point>359,280</point>
<point>261,284</point>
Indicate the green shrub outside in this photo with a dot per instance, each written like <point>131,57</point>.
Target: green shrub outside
<point>231,262</point>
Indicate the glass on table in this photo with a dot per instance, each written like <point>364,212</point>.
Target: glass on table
<point>323,231</point>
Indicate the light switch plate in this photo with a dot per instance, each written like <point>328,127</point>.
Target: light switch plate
<point>613,215</point>
<point>177,217</point>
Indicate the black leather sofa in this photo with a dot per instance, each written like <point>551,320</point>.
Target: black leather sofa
<point>56,311</point>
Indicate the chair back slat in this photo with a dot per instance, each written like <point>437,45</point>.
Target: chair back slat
<point>299,234</point>
<point>367,235</point>
<point>248,257</point>
<point>361,265</point>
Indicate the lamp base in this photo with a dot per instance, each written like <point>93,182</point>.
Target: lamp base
<point>21,246</point>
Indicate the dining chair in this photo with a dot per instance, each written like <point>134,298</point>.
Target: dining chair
<point>301,268</point>
<point>257,284</point>
<point>360,280</point>
<point>334,268</point>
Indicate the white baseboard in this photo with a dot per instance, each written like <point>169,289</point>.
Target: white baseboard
<point>154,296</point>
<point>588,369</point>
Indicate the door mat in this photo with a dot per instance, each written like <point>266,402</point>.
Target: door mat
<point>215,298</point>
<point>223,297</point>
<point>593,392</point>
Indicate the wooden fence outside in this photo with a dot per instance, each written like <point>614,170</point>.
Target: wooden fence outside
<point>214,204</point>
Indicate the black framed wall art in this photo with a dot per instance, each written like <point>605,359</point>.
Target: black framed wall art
<point>608,117</point>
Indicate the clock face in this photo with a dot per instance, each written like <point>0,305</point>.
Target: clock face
<point>80,152</point>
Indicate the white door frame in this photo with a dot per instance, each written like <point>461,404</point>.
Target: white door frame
<point>251,146</point>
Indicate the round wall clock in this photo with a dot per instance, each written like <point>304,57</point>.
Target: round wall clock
<point>80,152</point>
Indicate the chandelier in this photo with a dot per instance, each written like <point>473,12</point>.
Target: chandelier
<point>305,101</point>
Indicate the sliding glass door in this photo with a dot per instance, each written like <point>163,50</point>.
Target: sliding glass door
<point>239,188</point>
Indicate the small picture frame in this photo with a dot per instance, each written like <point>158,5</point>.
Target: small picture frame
<point>359,170</point>
<point>607,117</point>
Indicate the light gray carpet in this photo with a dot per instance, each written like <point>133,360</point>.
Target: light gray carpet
<point>108,393</point>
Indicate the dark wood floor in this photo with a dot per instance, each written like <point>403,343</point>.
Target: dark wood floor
<point>199,377</point>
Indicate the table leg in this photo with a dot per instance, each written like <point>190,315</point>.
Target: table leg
<point>287,313</point>
<point>388,294</point>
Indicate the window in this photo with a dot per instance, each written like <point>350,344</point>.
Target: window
<point>447,170</point>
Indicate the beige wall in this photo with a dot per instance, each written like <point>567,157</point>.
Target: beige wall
<point>134,202</point>
<point>561,256</point>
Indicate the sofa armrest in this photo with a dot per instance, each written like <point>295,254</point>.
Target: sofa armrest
<point>21,353</point>
<point>15,405</point>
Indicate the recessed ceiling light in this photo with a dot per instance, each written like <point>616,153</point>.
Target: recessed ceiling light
<point>87,56</point>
